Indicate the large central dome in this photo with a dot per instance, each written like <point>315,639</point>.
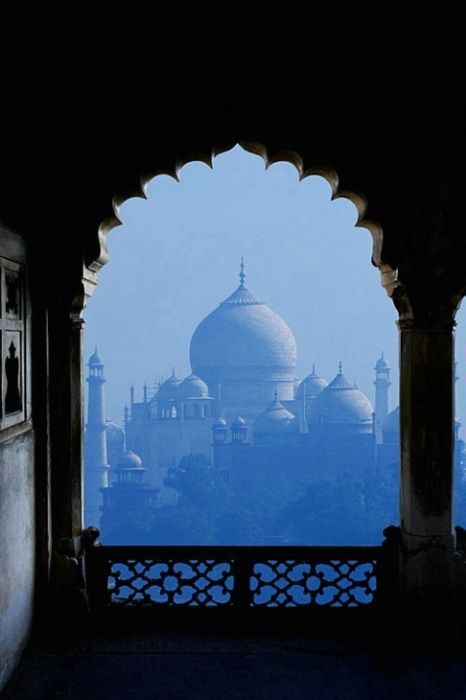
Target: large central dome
<point>243,340</point>
<point>241,333</point>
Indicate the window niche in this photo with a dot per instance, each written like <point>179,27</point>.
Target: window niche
<point>13,335</point>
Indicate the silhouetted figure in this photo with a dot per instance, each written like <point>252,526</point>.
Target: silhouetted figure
<point>13,398</point>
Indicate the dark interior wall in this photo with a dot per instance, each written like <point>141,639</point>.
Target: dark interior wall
<point>17,462</point>
<point>17,548</point>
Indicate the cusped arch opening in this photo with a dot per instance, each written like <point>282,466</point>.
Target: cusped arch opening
<point>193,407</point>
<point>304,170</point>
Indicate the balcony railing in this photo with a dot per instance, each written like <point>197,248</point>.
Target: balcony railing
<point>238,578</point>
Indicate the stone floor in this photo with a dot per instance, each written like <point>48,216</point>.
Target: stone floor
<point>204,666</point>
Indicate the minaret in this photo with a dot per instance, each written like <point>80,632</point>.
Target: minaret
<point>96,464</point>
<point>382,395</point>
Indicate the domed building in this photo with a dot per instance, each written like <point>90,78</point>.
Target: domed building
<point>168,390</point>
<point>243,408</point>
<point>127,500</point>
<point>306,392</point>
<point>311,386</point>
<point>340,437</point>
<point>244,352</point>
<point>275,424</point>
<point>341,408</point>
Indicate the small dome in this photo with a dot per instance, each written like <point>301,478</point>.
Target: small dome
<point>168,390</point>
<point>239,422</point>
<point>276,419</point>
<point>129,460</point>
<point>391,422</point>
<point>381,364</point>
<point>220,423</point>
<point>341,403</point>
<point>193,388</point>
<point>312,385</point>
<point>95,359</point>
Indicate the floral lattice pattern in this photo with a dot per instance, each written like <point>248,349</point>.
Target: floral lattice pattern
<point>190,583</point>
<point>331,583</point>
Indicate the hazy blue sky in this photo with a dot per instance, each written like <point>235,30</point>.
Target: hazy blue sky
<point>178,253</point>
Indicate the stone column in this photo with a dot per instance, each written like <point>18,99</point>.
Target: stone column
<point>426,437</point>
<point>66,406</point>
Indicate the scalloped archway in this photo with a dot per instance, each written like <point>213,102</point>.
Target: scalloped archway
<point>388,274</point>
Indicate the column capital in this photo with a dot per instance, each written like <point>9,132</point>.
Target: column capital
<point>422,311</point>
<point>433,324</point>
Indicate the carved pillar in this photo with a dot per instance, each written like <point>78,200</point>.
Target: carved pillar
<point>426,436</point>
<point>66,406</point>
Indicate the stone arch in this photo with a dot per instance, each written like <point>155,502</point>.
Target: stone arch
<point>98,255</point>
<point>423,276</point>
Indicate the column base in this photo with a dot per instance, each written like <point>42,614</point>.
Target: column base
<point>427,569</point>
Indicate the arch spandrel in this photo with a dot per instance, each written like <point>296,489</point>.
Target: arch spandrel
<point>97,251</point>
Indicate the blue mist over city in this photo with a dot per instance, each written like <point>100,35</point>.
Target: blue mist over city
<point>242,380</point>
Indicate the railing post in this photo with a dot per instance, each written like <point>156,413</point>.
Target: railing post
<point>96,572</point>
<point>388,567</point>
<point>242,572</point>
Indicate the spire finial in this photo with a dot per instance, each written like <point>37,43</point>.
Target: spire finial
<point>242,274</point>
<point>382,356</point>
<point>340,368</point>
<point>313,368</point>
<point>95,349</point>
<point>173,373</point>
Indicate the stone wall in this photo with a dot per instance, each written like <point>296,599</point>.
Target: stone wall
<point>17,455</point>
<point>17,548</point>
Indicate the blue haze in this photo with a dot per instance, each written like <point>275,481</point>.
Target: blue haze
<point>177,256</point>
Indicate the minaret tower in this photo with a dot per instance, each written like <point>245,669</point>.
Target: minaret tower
<point>382,395</point>
<point>96,465</point>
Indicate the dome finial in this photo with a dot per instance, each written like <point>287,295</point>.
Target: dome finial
<point>173,373</point>
<point>313,368</point>
<point>340,368</point>
<point>275,393</point>
<point>242,274</point>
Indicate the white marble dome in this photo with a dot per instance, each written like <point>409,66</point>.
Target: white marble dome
<point>341,403</point>
<point>311,386</point>
<point>276,419</point>
<point>129,460</point>
<point>95,359</point>
<point>168,390</point>
<point>193,388</point>
<point>243,334</point>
